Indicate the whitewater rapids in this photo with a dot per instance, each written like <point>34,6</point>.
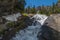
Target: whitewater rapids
<point>31,32</point>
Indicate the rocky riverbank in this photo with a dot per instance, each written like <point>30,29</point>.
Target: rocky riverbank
<point>51,28</point>
<point>14,27</point>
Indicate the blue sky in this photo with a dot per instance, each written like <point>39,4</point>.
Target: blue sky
<point>39,2</point>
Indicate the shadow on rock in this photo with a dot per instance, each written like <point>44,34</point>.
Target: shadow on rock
<point>48,33</point>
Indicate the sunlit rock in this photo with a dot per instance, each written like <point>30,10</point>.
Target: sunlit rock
<point>12,17</point>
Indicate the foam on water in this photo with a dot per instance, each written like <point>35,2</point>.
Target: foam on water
<point>40,18</point>
<point>31,32</point>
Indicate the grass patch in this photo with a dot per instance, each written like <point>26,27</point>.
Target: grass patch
<point>25,14</point>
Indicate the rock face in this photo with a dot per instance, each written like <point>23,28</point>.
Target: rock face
<point>51,28</point>
<point>54,22</point>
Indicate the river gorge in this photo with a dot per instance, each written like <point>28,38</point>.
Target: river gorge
<point>37,29</point>
<point>31,32</point>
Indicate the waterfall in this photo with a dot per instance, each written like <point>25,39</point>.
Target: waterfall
<point>31,32</point>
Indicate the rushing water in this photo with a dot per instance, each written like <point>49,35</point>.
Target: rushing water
<point>31,32</point>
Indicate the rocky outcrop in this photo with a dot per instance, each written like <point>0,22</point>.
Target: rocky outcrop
<point>22,23</point>
<point>51,28</point>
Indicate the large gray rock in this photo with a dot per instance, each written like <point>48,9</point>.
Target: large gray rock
<point>51,28</point>
<point>53,21</point>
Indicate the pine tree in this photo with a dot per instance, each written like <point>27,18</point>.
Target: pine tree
<point>53,8</point>
<point>28,10</point>
<point>58,1</point>
<point>10,6</point>
<point>33,10</point>
<point>6,6</point>
<point>20,5</point>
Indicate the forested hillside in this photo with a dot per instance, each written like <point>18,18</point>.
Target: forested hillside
<point>11,6</point>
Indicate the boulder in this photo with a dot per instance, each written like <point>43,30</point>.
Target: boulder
<point>51,28</point>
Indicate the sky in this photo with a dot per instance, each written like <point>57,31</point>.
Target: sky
<point>36,3</point>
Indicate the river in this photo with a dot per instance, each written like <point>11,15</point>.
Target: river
<point>31,32</point>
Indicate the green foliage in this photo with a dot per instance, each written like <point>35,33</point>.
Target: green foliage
<point>48,10</point>
<point>58,1</point>
<point>58,10</point>
<point>33,10</point>
<point>20,23</point>
<point>2,32</point>
<point>20,5</point>
<point>10,25</point>
<point>28,10</point>
<point>25,14</point>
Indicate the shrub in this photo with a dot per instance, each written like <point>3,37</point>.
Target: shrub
<point>24,14</point>
<point>10,25</point>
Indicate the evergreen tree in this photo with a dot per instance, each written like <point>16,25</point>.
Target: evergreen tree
<point>20,5</point>
<point>53,8</point>
<point>11,6</point>
<point>28,9</point>
<point>58,1</point>
<point>6,6</point>
<point>33,10</point>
